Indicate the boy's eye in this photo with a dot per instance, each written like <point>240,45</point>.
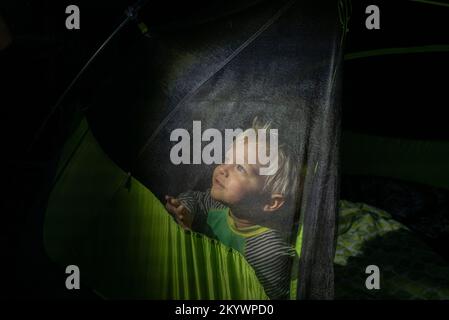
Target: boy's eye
<point>241,169</point>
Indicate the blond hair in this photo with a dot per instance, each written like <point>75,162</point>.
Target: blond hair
<point>284,179</point>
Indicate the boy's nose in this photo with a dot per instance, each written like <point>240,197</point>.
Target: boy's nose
<point>224,169</point>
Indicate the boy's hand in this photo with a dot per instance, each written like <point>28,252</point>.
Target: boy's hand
<point>179,212</point>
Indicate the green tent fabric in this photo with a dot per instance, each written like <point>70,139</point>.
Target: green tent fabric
<point>125,243</point>
<point>409,269</point>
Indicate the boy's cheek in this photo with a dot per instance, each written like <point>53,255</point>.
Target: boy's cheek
<point>230,195</point>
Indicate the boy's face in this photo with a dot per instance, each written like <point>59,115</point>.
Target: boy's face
<point>237,183</point>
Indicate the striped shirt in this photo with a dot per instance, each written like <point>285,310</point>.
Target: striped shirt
<point>264,249</point>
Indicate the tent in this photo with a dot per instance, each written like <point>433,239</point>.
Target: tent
<point>105,214</point>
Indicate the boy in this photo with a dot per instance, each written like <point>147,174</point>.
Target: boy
<point>246,210</point>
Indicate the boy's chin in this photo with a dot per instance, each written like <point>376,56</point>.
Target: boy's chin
<point>217,195</point>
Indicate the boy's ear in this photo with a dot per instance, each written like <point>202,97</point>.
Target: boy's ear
<point>277,200</point>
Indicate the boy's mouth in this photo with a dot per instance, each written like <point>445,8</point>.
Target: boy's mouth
<point>217,182</point>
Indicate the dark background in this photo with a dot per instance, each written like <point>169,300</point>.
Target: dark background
<point>402,96</point>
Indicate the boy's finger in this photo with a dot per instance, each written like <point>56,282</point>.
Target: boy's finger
<point>170,208</point>
<point>175,202</point>
<point>172,200</point>
<point>181,212</point>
